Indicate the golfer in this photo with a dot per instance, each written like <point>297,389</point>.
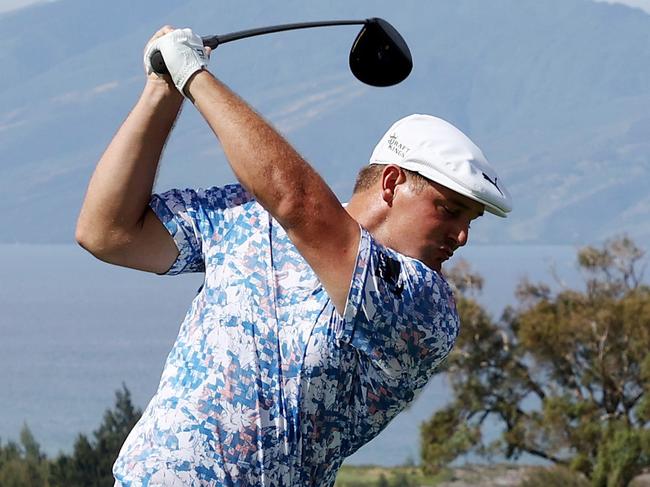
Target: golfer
<point>316,322</point>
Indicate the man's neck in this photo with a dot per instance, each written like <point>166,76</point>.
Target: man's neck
<point>366,211</point>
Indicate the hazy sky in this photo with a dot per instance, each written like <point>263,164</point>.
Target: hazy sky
<point>642,4</point>
<point>7,5</point>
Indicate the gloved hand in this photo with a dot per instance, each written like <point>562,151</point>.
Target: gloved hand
<point>183,53</point>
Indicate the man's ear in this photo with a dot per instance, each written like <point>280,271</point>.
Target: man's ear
<point>391,177</point>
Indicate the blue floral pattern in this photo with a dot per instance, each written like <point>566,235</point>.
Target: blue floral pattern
<point>267,385</point>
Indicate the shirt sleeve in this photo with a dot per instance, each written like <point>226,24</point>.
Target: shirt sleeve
<point>193,216</point>
<point>401,320</point>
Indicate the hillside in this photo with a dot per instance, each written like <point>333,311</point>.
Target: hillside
<point>556,92</point>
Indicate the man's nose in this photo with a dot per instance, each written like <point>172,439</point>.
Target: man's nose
<point>460,234</point>
<point>463,236</point>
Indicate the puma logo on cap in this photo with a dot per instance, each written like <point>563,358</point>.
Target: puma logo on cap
<point>493,182</point>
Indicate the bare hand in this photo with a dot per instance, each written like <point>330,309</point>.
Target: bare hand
<point>153,76</point>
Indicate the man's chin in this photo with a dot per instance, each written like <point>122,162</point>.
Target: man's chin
<point>442,262</point>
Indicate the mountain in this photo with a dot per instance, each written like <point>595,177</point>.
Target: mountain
<point>555,92</point>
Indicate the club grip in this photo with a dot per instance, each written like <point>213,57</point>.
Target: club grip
<point>158,63</point>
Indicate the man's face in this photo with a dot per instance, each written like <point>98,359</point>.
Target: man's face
<point>429,223</point>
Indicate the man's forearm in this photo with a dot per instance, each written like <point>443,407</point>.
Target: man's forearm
<point>121,185</point>
<point>266,165</point>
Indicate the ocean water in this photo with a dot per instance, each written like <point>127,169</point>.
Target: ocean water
<point>73,330</point>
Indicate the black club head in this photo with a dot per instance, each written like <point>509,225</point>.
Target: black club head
<point>379,55</point>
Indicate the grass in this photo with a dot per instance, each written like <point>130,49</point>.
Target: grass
<point>372,476</point>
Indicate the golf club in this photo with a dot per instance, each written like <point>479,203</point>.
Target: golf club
<point>379,55</point>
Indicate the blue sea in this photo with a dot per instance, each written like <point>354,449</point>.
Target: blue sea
<point>73,330</point>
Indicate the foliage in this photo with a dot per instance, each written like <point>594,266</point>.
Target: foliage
<point>91,463</point>
<point>624,453</point>
<point>566,375</point>
<point>350,476</point>
<point>554,477</point>
<point>24,465</point>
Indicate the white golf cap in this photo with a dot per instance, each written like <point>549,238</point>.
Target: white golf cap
<point>440,152</point>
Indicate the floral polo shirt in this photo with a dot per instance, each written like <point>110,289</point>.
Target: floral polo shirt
<point>266,384</point>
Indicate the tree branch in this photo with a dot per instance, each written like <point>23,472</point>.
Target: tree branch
<point>541,454</point>
<point>529,380</point>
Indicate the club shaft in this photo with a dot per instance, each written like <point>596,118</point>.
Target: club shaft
<point>214,41</point>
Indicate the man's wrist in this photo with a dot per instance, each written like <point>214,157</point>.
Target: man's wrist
<point>195,82</point>
<point>160,91</point>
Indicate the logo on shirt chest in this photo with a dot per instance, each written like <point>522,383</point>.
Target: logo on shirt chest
<point>388,270</point>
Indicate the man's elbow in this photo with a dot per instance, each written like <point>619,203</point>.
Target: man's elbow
<point>86,239</point>
<point>103,244</point>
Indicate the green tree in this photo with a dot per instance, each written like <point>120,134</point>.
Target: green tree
<point>23,464</point>
<point>551,477</point>
<point>565,374</point>
<point>383,481</point>
<point>91,463</point>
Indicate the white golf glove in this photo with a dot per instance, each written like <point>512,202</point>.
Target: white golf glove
<point>183,53</point>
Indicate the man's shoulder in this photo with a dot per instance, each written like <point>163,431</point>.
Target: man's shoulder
<point>392,263</point>
<point>202,201</point>
<point>405,279</point>
<point>227,196</point>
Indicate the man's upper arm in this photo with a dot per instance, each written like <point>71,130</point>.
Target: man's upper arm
<point>152,249</point>
<point>401,316</point>
<point>176,225</point>
<point>329,242</point>
<point>401,322</point>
